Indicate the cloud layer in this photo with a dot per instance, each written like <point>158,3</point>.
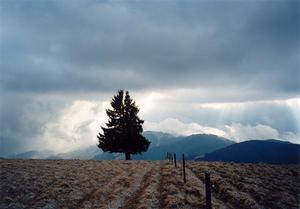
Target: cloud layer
<point>64,128</point>
<point>212,64</point>
<point>101,46</point>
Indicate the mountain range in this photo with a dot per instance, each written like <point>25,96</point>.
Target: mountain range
<point>192,146</point>
<point>257,151</point>
<point>204,147</point>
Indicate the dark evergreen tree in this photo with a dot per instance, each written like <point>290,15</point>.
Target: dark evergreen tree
<point>124,128</point>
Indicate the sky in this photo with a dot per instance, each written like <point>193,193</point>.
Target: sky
<point>229,68</point>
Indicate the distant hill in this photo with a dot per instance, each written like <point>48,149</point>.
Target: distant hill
<point>160,138</point>
<point>83,154</point>
<point>161,143</point>
<point>33,154</point>
<point>256,151</point>
<point>195,147</point>
<point>192,146</point>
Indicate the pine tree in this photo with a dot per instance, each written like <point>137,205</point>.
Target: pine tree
<point>124,128</point>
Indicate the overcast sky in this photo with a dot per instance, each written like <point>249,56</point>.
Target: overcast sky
<point>229,68</point>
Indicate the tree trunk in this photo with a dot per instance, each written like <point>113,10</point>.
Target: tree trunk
<point>127,156</point>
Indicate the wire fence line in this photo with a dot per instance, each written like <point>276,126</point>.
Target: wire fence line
<point>171,158</point>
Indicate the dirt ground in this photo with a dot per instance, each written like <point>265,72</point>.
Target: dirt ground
<point>76,184</point>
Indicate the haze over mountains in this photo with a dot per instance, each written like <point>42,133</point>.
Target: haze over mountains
<point>196,147</point>
<point>192,146</point>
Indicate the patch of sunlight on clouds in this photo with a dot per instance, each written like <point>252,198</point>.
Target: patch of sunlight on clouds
<point>76,126</point>
<point>220,106</point>
<point>175,126</point>
<point>294,106</point>
<point>235,131</point>
<point>293,103</point>
<point>241,132</point>
<point>148,101</point>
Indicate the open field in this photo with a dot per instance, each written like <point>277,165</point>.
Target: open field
<point>79,184</point>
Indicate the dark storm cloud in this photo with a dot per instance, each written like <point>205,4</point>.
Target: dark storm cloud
<point>67,46</point>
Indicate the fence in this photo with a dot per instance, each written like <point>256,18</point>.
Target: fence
<point>172,159</point>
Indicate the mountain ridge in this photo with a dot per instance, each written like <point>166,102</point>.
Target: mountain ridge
<point>257,151</point>
<point>205,147</point>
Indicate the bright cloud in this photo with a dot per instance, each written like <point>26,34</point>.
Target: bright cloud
<point>175,126</point>
<point>236,131</point>
<point>76,126</point>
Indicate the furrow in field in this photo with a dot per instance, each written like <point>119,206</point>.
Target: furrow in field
<point>194,181</point>
<point>176,194</point>
<point>114,193</point>
<point>224,192</point>
<point>147,196</point>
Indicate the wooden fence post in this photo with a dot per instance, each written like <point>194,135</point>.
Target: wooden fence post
<point>208,190</point>
<point>183,165</point>
<point>175,160</point>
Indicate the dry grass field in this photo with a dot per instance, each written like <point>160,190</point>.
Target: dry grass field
<point>76,184</point>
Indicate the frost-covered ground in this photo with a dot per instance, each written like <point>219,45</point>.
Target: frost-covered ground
<point>79,184</point>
